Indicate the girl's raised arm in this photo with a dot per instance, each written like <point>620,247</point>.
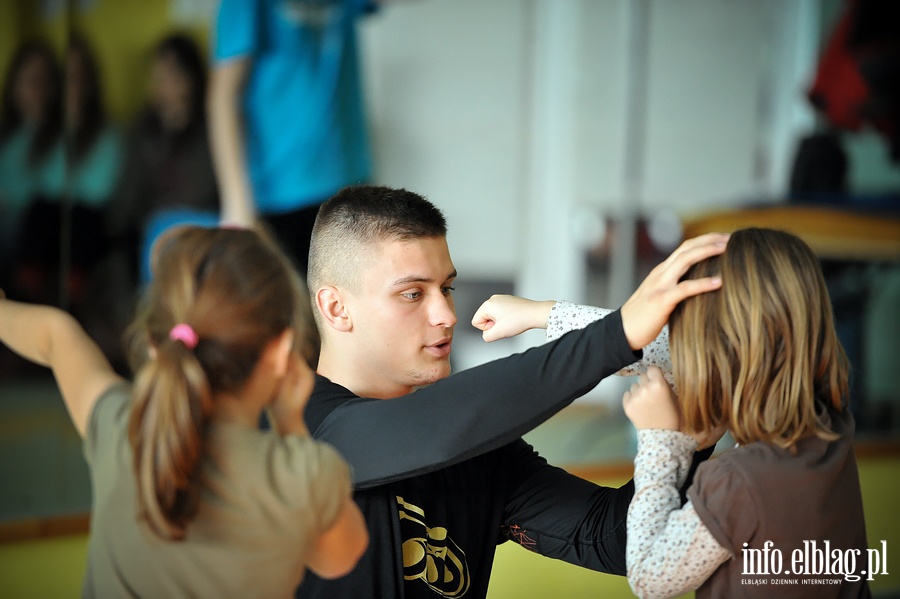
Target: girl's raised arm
<point>53,338</point>
<point>504,316</point>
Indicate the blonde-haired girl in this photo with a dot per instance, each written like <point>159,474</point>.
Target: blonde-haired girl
<point>760,357</point>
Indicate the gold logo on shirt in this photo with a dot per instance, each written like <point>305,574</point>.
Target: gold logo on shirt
<point>430,555</point>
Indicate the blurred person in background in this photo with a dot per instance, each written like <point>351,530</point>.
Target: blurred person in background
<point>91,158</point>
<point>30,129</point>
<point>62,230</point>
<point>287,112</point>
<point>168,175</point>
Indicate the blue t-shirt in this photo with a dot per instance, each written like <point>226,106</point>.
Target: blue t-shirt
<point>20,181</point>
<point>91,182</point>
<point>305,130</point>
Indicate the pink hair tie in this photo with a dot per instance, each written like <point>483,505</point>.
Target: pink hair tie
<point>184,333</point>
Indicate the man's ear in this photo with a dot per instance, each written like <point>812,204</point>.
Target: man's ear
<point>330,304</point>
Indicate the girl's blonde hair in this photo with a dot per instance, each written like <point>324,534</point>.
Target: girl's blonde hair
<point>757,354</point>
<point>237,291</point>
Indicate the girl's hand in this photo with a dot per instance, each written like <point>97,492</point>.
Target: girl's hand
<point>650,403</point>
<point>290,402</point>
<point>504,316</point>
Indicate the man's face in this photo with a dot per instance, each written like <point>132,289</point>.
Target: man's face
<point>403,313</point>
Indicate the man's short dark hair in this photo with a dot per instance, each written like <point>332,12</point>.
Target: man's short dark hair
<point>360,215</point>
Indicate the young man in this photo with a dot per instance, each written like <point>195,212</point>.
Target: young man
<point>441,474</point>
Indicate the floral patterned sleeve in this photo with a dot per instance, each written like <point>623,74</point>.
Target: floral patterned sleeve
<point>670,551</point>
<point>566,316</point>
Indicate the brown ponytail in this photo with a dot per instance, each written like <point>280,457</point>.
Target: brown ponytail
<point>166,434</point>
<point>237,292</point>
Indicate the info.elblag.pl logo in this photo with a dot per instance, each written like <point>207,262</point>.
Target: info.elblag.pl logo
<point>817,562</point>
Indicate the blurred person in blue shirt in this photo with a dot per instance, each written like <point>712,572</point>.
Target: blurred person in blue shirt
<point>30,130</point>
<point>287,112</point>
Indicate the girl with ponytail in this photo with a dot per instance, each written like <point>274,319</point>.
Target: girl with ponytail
<point>190,498</point>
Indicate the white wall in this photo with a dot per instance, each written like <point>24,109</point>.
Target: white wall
<point>448,99</point>
<point>704,79</point>
<point>461,112</point>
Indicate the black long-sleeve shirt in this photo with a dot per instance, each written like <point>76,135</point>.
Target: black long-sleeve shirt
<point>442,476</point>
